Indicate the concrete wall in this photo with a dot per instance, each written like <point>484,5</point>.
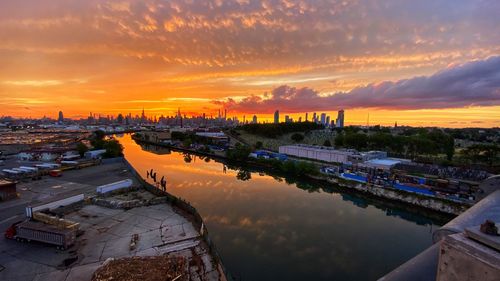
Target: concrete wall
<point>463,259</point>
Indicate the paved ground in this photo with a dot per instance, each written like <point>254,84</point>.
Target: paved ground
<point>106,232</point>
<point>84,181</point>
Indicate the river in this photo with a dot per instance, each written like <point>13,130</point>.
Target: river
<point>272,228</point>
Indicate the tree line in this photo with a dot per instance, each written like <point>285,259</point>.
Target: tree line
<point>422,142</point>
<point>272,130</point>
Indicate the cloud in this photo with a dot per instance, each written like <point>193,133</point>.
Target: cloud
<point>475,83</point>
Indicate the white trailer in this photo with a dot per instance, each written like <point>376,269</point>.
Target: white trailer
<point>93,154</point>
<point>102,189</point>
<point>22,171</point>
<point>56,203</point>
<point>69,163</point>
<point>11,172</point>
<point>48,166</point>
<point>29,168</point>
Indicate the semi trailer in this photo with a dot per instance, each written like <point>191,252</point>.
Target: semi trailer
<point>29,230</point>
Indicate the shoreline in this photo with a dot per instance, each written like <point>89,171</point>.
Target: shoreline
<point>190,212</point>
<point>433,204</point>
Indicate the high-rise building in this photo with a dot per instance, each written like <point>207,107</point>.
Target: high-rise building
<point>340,119</point>
<point>60,119</point>
<point>288,119</point>
<point>327,122</point>
<point>323,118</point>
<point>276,117</point>
<point>254,119</point>
<point>307,116</point>
<point>314,117</point>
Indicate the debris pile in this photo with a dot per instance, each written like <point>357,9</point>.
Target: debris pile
<point>143,268</point>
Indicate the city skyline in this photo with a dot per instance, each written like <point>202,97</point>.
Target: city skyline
<point>421,64</point>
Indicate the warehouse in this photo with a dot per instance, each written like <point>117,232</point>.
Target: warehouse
<point>321,153</point>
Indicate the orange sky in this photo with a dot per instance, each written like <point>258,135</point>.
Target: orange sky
<point>108,57</point>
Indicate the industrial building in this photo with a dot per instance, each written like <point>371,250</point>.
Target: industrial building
<point>321,153</point>
<point>330,154</point>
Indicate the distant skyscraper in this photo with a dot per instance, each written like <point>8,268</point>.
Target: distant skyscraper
<point>300,119</point>
<point>254,119</point>
<point>276,117</point>
<point>323,118</point>
<point>340,119</point>
<point>307,116</point>
<point>327,122</point>
<point>60,119</point>
<point>314,117</point>
<point>287,119</point>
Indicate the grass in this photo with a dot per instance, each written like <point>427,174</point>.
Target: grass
<point>317,137</point>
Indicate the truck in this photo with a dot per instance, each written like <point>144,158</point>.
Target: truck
<point>30,230</point>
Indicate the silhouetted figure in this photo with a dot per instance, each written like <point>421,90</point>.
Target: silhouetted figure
<point>147,174</point>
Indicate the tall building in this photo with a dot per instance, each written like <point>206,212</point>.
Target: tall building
<point>323,118</point>
<point>288,119</point>
<point>60,119</point>
<point>307,116</point>
<point>143,116</point>
<point>254,119</point>
<point>314,117</point>
<point>276,117</point>
<point>340,119</point>
<point>327,122</point>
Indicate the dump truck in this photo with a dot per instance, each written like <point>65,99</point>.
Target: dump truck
<point>29,230</point>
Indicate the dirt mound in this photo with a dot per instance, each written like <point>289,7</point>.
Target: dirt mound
<point>144,269</point>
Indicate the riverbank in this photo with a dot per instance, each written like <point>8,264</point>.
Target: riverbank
<point>434,204</point>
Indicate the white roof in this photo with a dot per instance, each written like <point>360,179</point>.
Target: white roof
<point>384,162</point>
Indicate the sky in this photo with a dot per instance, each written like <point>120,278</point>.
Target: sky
<point>419,63</point>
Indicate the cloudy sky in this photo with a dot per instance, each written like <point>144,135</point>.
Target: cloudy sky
<point>415,62</point>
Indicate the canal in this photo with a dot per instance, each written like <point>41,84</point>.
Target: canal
<point>268,227</point>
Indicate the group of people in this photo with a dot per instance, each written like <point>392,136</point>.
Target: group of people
<point>162,183</point>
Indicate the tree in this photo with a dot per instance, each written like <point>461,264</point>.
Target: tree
<point>81,148</point>
<point>113,149</point>
<point>356,140</point>
<point>243,175</point>
<point>187,143</point>
<point>327,143</point>
<point>339,139</point>
<point>99,135</point>
<point>297,137</point>
<point>239,152</point>
<point>258,145</point>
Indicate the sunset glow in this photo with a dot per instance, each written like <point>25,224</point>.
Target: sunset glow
<point>413,62</point>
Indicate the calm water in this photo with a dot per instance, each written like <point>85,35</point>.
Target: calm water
<point>268,228</point>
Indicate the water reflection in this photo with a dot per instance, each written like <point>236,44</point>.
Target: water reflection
<point>272,227</point>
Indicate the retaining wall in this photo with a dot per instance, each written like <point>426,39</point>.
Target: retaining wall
<point>197,220</point>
